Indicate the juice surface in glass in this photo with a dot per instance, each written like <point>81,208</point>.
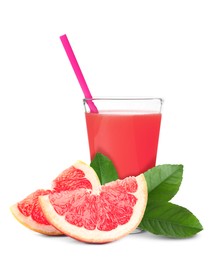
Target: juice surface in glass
<point>129,139</point>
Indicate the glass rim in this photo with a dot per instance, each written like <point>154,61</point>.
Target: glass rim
<point>124,98</point>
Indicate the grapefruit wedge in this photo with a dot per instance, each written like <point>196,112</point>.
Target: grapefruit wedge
<point>28,211</point>
<point>101,215</point>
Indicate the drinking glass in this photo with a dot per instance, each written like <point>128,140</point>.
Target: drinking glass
<point>126,130</point>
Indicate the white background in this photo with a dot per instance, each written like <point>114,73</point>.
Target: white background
<point>127,48</point>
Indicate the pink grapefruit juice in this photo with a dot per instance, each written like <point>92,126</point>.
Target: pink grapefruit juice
<point>129,140</point>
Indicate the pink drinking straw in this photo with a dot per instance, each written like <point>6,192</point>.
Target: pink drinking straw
<point>78,72</point>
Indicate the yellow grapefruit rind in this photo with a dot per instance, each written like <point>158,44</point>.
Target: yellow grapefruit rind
<point>97,236</point>
<point>49,229</point>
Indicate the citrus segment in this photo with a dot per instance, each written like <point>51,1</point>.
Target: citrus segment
<point>79,175</point>
<point>29,212</point>
<point>100,215</point>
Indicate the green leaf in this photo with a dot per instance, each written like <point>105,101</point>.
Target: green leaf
<point>163,181</point>
<point>170,220</point>
<point>104,168</point>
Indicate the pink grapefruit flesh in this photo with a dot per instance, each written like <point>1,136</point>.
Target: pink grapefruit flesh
<point>28,211</point>
<point>101,215</point>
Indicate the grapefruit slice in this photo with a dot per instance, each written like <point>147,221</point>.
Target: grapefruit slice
<point>28,211</point>
<point>101,215</point>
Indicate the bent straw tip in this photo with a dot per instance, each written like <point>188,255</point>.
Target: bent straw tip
<point>63,36</point>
